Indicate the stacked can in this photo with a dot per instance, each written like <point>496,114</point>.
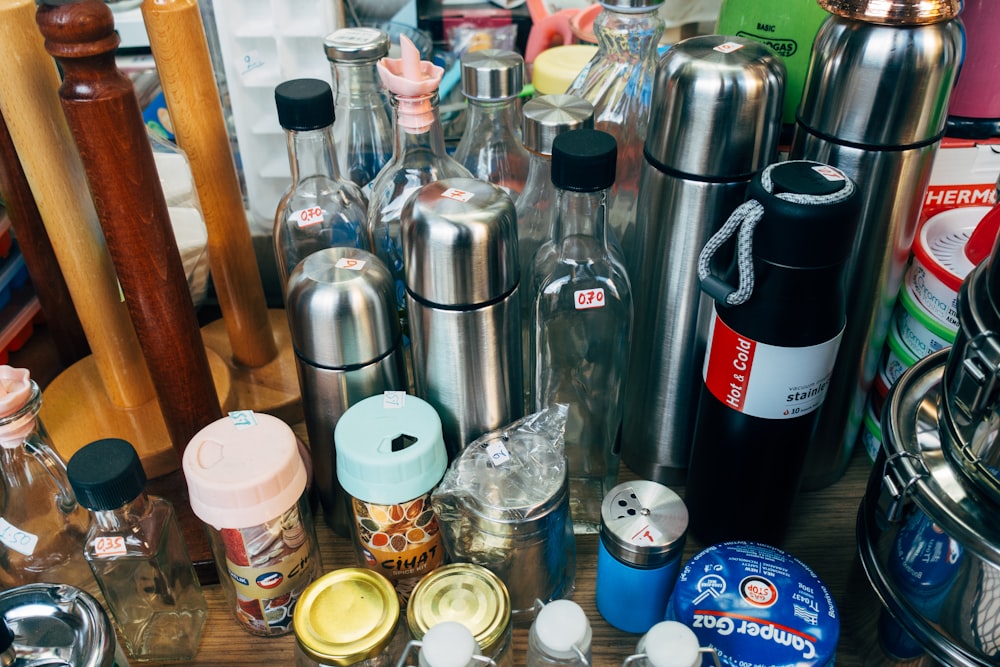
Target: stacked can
<point>925,318</point>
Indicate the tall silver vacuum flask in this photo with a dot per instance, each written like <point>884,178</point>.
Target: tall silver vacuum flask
<point>460,262</point>
<point>341,308</point>
<point>714,122</point>
<point>874,106</point>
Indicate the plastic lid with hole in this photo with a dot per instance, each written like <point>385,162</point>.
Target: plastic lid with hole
<point>940,244</point>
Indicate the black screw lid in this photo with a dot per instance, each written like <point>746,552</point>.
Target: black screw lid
<point>6,636</point>
<point>304,104</point>
<point>106,474</point>
<point>584,160</point>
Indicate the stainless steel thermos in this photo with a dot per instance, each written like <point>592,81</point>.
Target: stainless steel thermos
<point>874,106</point>
<point>459,238</point>
<point>714,122</point>
<point>342,314</point>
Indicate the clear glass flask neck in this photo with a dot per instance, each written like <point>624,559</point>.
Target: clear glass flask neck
<point>311,153</point>
<point>580,214</point>
<point>417,119</point>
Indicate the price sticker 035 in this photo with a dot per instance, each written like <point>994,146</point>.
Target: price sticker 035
<point>585,299</point>
<point>109,546</point>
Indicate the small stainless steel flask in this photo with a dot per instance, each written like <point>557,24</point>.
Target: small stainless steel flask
<point>874,106</point>
<point>714,122</point>
<point>341,308</point>
<point>459,238</point>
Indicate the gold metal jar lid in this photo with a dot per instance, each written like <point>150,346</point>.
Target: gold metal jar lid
<point>463,592</point>
<point>346,616</point>
<point>894,12</point>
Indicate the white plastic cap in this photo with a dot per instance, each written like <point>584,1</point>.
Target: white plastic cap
<point>560,626</point>
<point>448,644</point>
<point>671,644</point>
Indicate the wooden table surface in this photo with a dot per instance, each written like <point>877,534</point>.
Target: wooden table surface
<point>822,535</point>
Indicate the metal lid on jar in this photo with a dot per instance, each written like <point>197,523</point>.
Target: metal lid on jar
<point>546,117</point>
<point>845,90</point>
<point>643,523</point>
<point>466,593</point>
<point>390,448</point>
<point>630,5</point>
<point>459,238</point>
<point>341,305</point>
<point>356,44</point>
<point>717,105</point>
<point>56,624</point>
<point>894,12</point>
<point>346,616</point>
<point>492,74</point>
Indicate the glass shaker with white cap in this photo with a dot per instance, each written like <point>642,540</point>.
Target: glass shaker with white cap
<point>448,644</point>
<point>669,644</point>
<point>560,636</point>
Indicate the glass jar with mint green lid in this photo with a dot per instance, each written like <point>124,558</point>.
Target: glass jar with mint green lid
<point>346,617</point>
<point>468,594</point>
<point>390,454</point>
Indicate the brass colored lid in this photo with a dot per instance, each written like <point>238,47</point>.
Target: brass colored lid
<point>894,12</point>
<point>346,616</point>
<point>463,592</point>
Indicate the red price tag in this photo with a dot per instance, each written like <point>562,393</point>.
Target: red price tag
<point>589,298</point>
<point>109,546</point>
<point>307,217</point>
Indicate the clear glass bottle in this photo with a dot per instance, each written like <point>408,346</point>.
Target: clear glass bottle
<point>543,119</point>
<point>445,645</point>
<point>320,209</point>
<point>491,146</point>
<point>560,636</point>
<point>618,81</point>
<point>42,528</point>
<point>582,320</point>
<point>363,126</point>
<point>138,555</point>
<point>418,156</point>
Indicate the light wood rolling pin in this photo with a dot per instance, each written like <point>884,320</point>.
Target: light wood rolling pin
<point>36,248</point>
<point>256,341</point>
<point>100,105</point>
<point>29,101</point>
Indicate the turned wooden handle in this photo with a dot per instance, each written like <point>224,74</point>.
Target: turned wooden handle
<point>177,38</point>
<point>104,115</point>
<point>29,101</point>
<point>47,279</point>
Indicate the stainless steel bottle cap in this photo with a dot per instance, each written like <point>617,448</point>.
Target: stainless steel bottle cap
<point>545,118</point>
<point>459,239</point>
<point>630,5</point>
<point>847,93</point>
<point>492,74</point>
<point>341,305</point>
<point>716,107</point>
<point>356,44</point>
<point>58,625</point>
<point>894,12</point>
<point>643,523</point>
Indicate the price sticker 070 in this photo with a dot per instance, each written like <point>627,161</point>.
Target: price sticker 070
<point>585,299</point>
<point>307,217</point>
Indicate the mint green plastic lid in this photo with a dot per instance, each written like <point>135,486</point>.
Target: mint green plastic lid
<point>390,448</point>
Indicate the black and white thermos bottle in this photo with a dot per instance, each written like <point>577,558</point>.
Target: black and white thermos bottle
<point>779,315</point>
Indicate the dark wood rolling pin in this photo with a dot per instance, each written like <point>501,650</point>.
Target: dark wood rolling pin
<point>39,257</point>
<point>104,116</point>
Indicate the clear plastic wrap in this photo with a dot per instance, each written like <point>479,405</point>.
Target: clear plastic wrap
<point>504,504</point>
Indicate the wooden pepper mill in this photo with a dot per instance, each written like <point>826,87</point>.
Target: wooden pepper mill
<point>104,115</point>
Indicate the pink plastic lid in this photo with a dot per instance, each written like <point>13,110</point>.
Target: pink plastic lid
<point>243,470</point>
<point>411,80</point>
<point>15,390</point>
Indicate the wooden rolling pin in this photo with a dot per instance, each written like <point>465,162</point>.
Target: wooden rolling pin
<point>36,248</point>
<point>29,101</point>
<point>177,38</point>
<point>104,115</point>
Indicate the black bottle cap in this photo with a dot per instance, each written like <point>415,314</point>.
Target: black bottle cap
<point>584,160</point>
<point>805,235</point>
<point>304,104</point>
<point>6,636</point>
<point>106,474</point>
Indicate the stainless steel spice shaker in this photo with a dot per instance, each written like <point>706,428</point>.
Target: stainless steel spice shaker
<point>459,238</point>
<point>714,122</point>
<point>341,309</point>
<point>874,106</point>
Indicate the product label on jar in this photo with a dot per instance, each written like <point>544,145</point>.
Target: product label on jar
<point>401,542</point>
<point>14,538</point>
<point>767,381</point>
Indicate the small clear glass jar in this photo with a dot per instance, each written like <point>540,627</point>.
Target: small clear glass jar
<point>559,637</point>
<point>468,594</point>
<point>347,617</point>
